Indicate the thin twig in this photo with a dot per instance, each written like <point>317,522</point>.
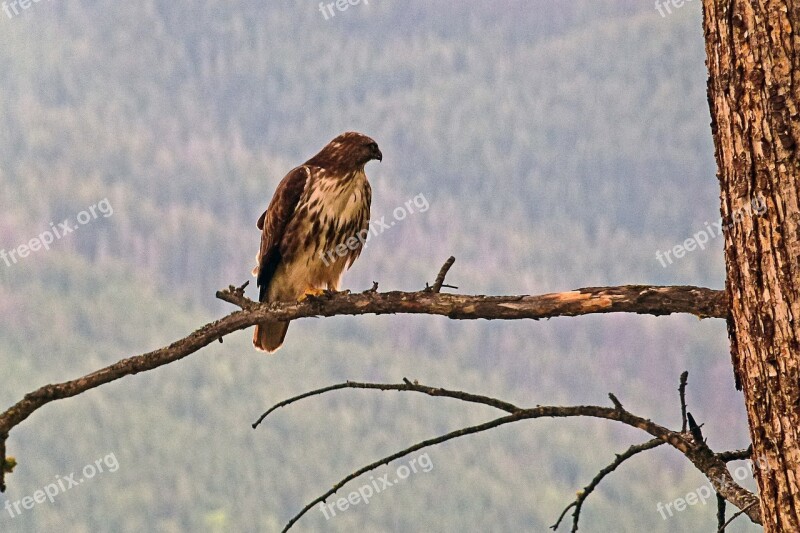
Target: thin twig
<point>437,285</point>
<point>682,394</point>
<point>373,289</point>
<point>235,295</point>
<point>588,489</point>
<point>616,402</point>
<point>294,399</point>
<point>721,504</point>
<point>735,516</point>
<point>633,450</point>
<point>695,430</point>
<point>406,386</point>
<point>386,460</point>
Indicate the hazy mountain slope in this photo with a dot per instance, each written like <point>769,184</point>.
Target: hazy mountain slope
<point>555,146</point>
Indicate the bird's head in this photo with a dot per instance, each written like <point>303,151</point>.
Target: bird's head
<point>349,151</point>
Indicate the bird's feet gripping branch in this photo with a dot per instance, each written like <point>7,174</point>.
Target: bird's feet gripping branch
<point>318,294</point>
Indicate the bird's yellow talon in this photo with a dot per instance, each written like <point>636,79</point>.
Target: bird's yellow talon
<point>312,293</point>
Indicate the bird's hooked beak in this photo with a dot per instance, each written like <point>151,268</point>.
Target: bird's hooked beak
<point>378,154</point>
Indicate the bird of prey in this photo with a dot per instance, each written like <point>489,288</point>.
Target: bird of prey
<point>314,228</point>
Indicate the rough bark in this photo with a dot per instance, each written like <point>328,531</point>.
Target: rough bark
<point>752,60</point>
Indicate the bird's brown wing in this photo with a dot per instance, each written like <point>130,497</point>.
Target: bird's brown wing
<point>273,224</point>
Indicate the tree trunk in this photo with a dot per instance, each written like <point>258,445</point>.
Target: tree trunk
<point>753,92</point>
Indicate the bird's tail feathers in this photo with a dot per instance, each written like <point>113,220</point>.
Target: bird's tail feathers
<point>268,336</point>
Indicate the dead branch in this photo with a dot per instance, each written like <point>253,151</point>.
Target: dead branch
<point>405,386</point>
<point>697,452</point>
<point>641,299</point>
<point>588,489</point>
<point>621,458</point>
<point>736,455</point>
<point>439,283</point>
<point>721,505</point>
<point>682,397</point>
<point>734,517</point>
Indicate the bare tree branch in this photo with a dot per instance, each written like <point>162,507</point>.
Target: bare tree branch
<point>588,489</point>
<point>405,386</point>
<point>721,505</point>
<point>642,299</point>
<point>621,458</point>
<point>439,283</point>
<point>682,397</point>
<point>732,518</point>
<point>698,453</point>
<point>736,455</point>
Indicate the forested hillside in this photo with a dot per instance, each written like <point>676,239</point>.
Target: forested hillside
<point>556,145</point>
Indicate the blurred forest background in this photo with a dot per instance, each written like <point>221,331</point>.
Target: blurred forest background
<point>559,145</point>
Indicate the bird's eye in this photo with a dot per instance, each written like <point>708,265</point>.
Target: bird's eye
<point>373,146</point>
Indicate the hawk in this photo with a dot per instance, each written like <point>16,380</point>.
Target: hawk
<point>314,228</point>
